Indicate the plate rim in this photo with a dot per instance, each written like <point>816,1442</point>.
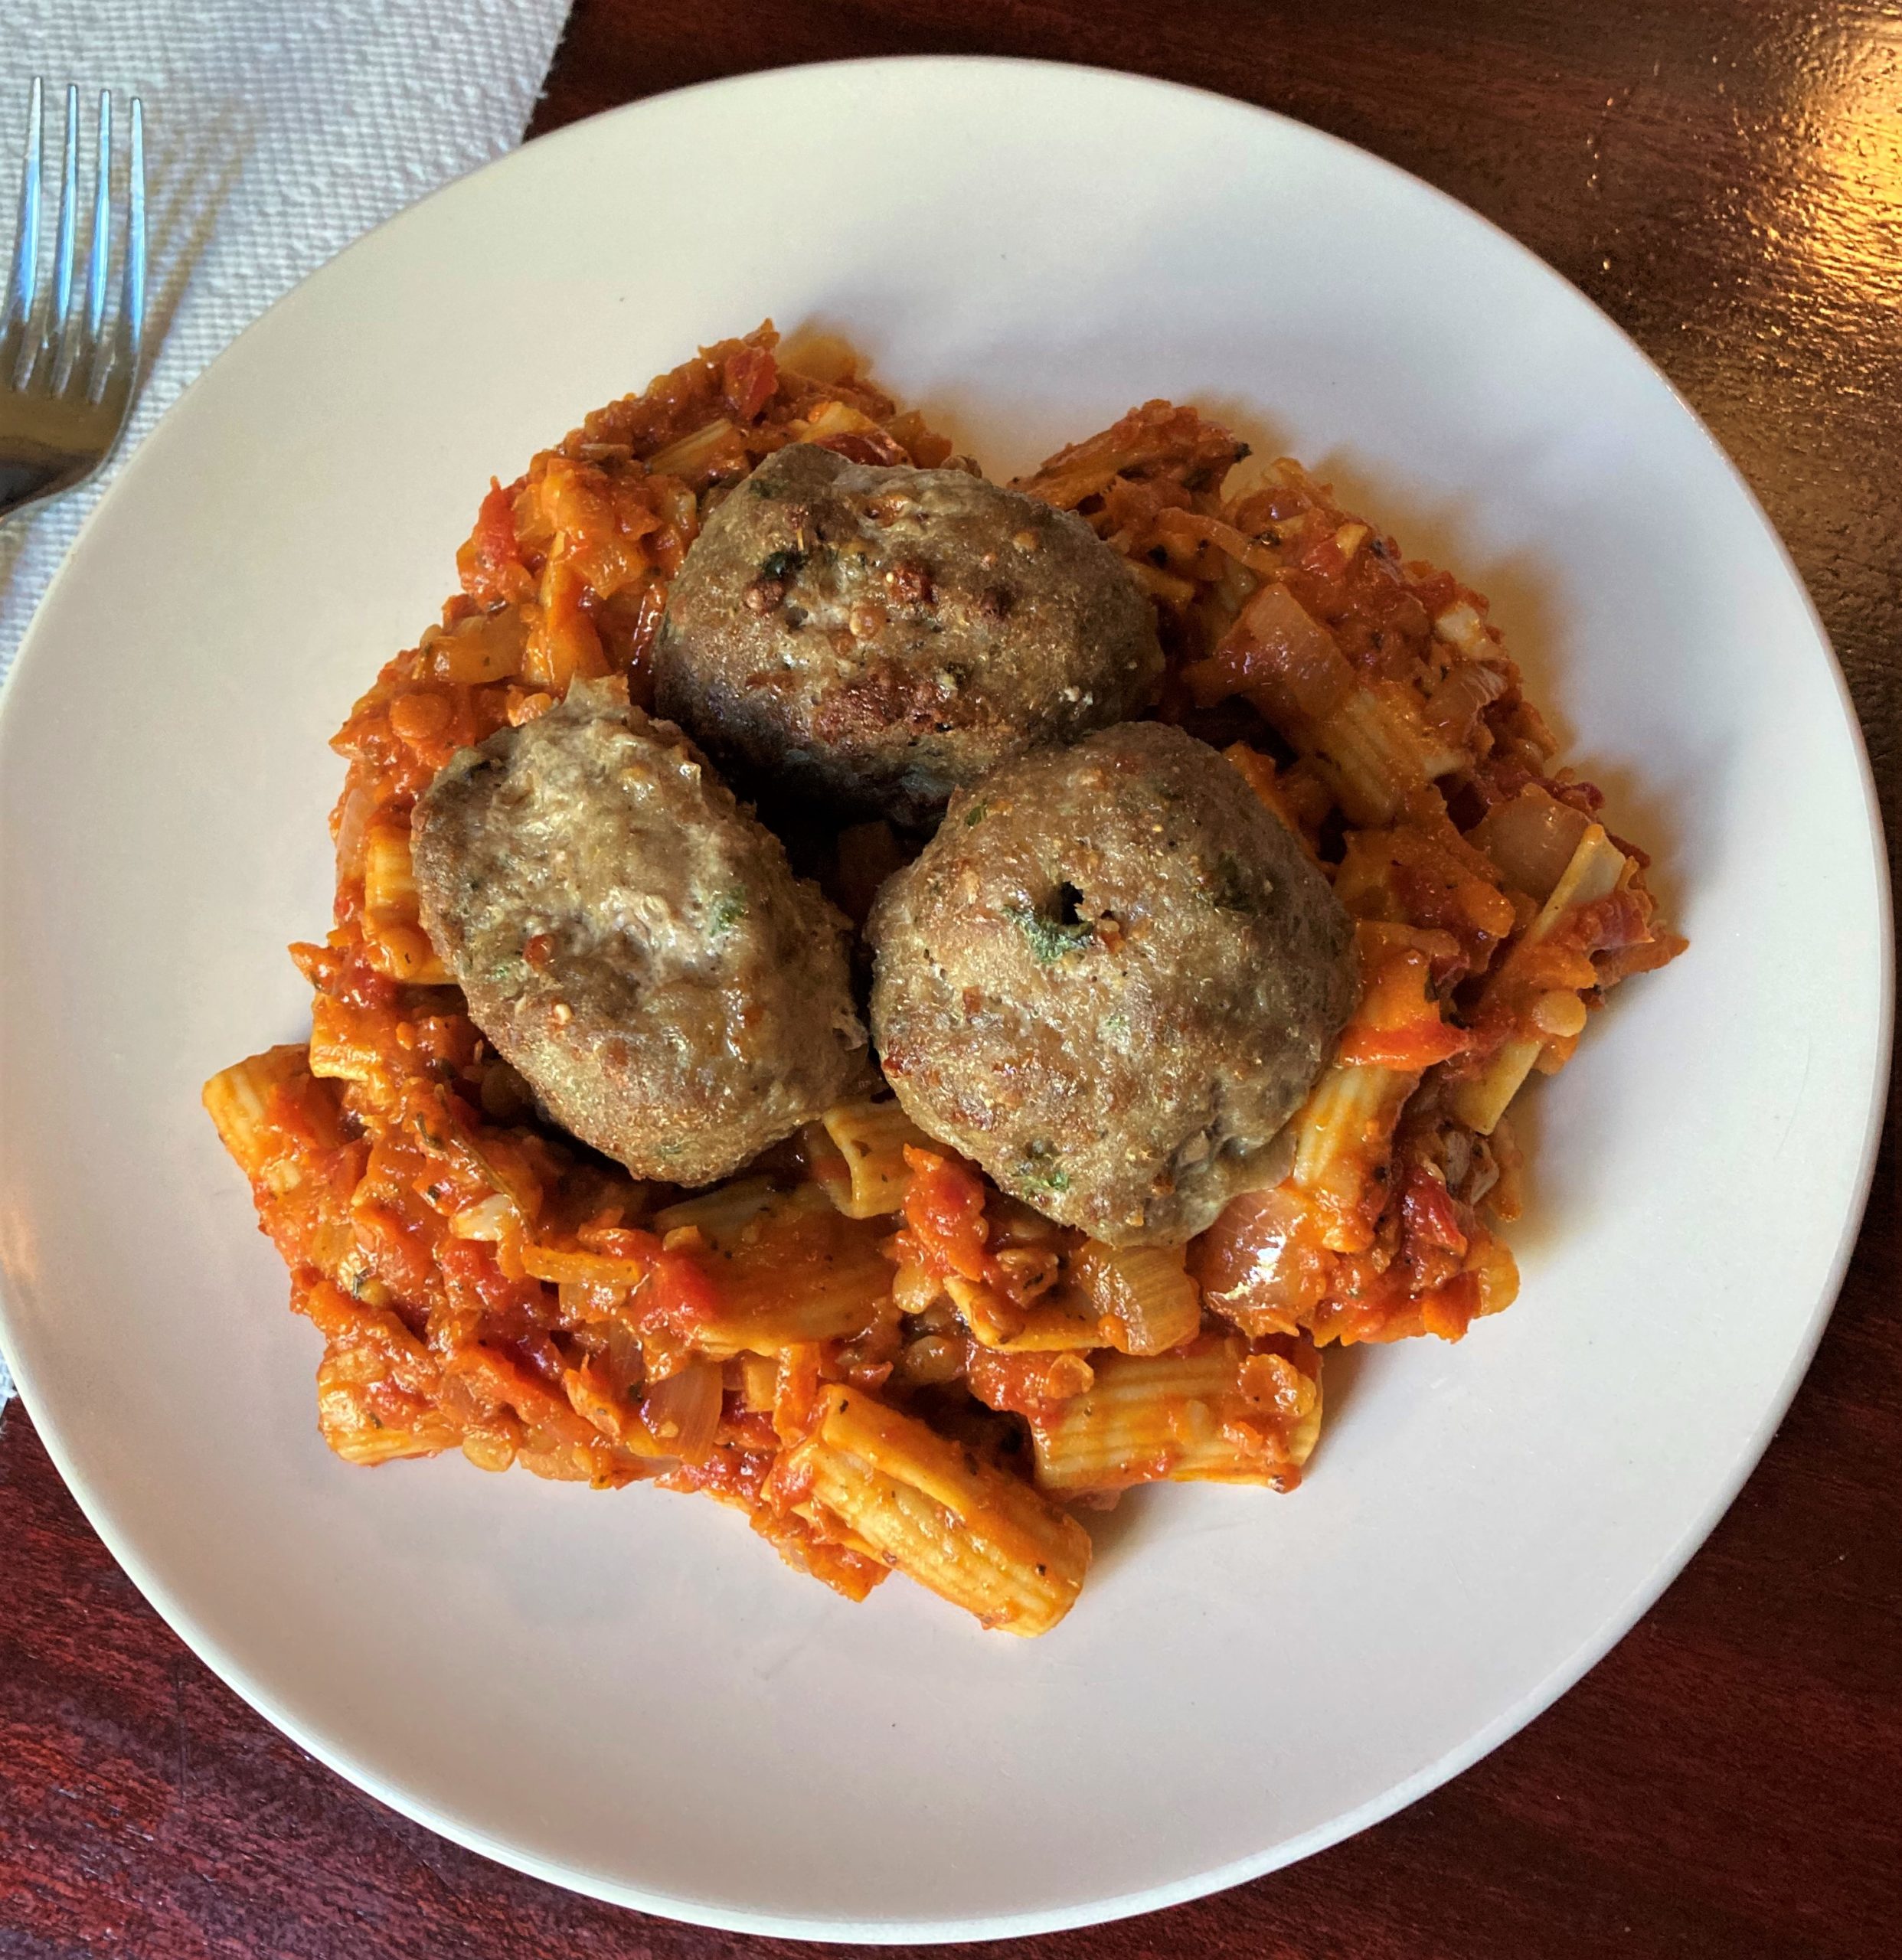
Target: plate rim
<point>1593,1646</point>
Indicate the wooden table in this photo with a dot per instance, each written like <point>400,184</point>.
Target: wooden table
<point>1726,180</point>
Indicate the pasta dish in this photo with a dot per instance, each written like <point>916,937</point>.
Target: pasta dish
<point>912,1005</point>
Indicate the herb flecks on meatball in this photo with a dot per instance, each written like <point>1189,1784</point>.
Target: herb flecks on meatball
<point>1109,979</point>
<point>876,637</point>
<point>634,941</point>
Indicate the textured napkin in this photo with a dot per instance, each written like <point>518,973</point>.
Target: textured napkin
<point>277,131</point>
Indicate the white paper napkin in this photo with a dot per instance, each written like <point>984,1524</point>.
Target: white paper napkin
<point>277,131</point>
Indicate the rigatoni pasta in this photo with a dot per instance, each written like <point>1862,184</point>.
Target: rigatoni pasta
<point>881,1361</point>
<point>1219,1411</point>
<point>972,1535</point>
<point>871,1139</point>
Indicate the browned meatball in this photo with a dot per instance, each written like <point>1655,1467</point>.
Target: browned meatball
<point>1110,979</point>
<point>876,637</point>
<point>634,942</point>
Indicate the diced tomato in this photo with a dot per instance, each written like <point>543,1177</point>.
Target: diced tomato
<point>944,1227</point>
<point>563,644</point>
<point>867,446</point>
<point>1429,1215</point>
<point>738,1474</point>
<point>1398,1024</point>
<point>1412,1047</point>
<point>1435,591</point>
<point>640,662</point>
<point>1019,1384</point>
<point>748,381</point>
<point>1610,924</point>
<point>680,1292</point>
<point>1449,1310</point>
<point>490,562</point>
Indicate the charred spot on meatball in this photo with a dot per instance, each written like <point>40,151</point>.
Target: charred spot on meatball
<point>875,638</point>
<point>1109,979</point>
<point>633,941</point>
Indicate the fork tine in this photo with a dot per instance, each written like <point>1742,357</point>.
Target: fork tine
<point>100,254</point>
<point>23,283</point>
<point>78,364</point>
<point>53,334</point>
<point>132,301</point>
<point>115,369</point>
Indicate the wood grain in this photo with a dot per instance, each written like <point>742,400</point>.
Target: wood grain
<point>1726,180</point>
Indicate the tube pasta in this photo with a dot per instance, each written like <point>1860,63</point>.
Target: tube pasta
<point>871,1137</point>
<point>972,1534</point>
<point>350,1421</point>
<point>841,1308</point>
<point>304,1198</point>
<point>346,1042</point>
<point>1341,1136</point>
<point>1144,1299</point>
<point>378,1387</point>
<point>722,1215</point>
<point>1597,867</point>
<point>1378,751</point>
<point>235,1100</point>
<point>801,1273</point>
<point>392,928</point>
<point>1218,1413</point>
<point>1063,1319</point>
<point>576,1266</point>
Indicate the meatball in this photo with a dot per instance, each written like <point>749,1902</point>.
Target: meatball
<point>874,637</point>
<point>1110,979</point>
<point>634,942</point>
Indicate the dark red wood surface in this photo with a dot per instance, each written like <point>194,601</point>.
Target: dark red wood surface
<point>1727,182</point>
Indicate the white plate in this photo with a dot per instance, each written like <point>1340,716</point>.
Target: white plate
<point>629,1694</point>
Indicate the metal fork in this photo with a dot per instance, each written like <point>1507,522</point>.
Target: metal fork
<point>66,377</point>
